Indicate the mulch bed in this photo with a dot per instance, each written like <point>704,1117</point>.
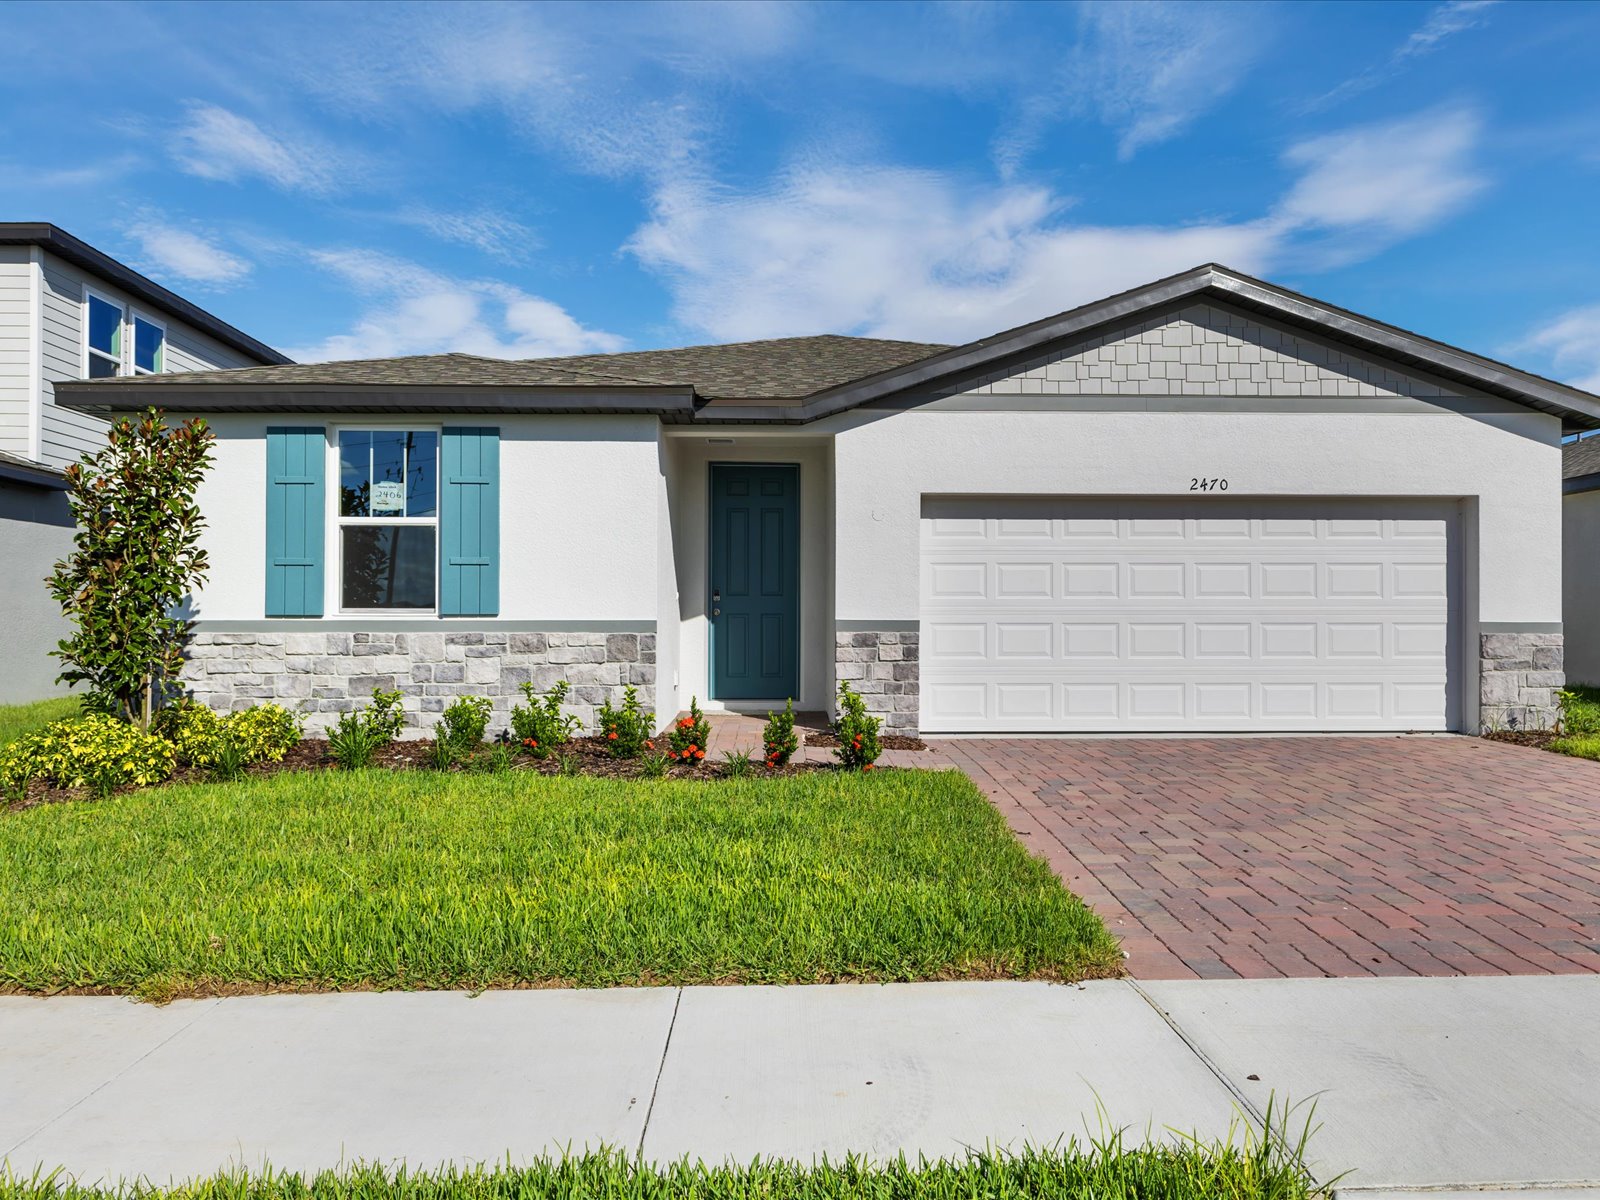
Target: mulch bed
<point>888,741</point>
<point>1539,739</point>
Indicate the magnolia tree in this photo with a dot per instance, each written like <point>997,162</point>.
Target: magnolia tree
<point>137,556</point>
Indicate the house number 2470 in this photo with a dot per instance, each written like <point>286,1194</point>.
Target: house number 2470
<point>1208,485</point>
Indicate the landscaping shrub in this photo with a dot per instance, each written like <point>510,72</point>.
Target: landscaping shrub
<point>357,736</point>
<point>193,729</point>
<point>136,555</point>
<point>736,764</point>
<point>463,724</point>
<point>856,731</point>
<point>627,729</point>
<point>1580,711</point>
<point>93,750</point>
<point>261,733</point>
<point>778,739</point>
<point>539,726</point>
<point>687,741</point>
<point>230,759</point>
<point>265,732</point>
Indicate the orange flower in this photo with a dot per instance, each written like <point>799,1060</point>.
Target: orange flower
<point>699,753</point>
<point>649,745</point>
<point>866,766</point>
<point>612,736</point>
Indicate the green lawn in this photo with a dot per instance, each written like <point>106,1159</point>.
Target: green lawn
<point>1581,715</point>
<point>1254,1170</point>
<point>18,719</point>
<point>415,879</point>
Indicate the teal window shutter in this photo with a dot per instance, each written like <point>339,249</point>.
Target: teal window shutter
<point>296,459</point>
<point>469,520</point>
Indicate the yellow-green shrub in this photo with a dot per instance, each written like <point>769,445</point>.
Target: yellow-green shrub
<point>261,733</point>
<point>265,732</point>
<point>90,751</point>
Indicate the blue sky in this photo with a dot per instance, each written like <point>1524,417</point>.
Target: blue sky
<point>525,180</point>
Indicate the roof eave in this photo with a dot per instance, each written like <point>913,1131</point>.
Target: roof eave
<point>33,475</point>
<point>62,244</point>
<point>104,398</point>
<point>1581,483</point>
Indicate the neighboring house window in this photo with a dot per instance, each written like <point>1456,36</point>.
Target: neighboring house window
<point>388,518</point>
<point>149,345</point>
<point>103,337</point>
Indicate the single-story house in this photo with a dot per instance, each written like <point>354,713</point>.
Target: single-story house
<point>1580,571</point>
<point>1208,503</point>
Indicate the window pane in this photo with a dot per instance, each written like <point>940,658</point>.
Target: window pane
<point>422,467</point>
<point>388,473</point>
<point>355,464</point>
<point>388,566</point>
<point>105,327</point>
<point>388,497</point>
<point>101,368</point>
<point>148,342</point>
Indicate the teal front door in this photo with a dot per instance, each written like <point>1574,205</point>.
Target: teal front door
<point>755,581</point>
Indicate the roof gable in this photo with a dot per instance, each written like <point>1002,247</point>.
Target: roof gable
<point>1204,349</point>
<point>1229,290</point>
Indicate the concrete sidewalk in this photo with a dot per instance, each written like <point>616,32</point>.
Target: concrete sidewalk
<point>1419,1083</point>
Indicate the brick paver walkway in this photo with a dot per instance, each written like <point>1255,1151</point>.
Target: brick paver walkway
<point>1262,857</point>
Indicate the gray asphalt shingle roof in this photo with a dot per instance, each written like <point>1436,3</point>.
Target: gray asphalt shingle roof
<point>780,368</point>
<point>1581,457</point>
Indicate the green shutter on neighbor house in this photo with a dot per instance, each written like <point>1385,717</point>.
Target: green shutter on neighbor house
<point>296,460</point>
<point>469,523</point>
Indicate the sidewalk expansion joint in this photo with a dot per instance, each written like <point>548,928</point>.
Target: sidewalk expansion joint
<point>660,1070</point>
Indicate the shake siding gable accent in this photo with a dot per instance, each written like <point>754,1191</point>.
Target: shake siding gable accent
<point>469,519</point>
<point>296,460</point>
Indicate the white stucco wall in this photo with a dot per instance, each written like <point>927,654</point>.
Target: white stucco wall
<point>579,499</point>
<point>690,456</point>
<point>1507,464</point>
<point>1581,584</point>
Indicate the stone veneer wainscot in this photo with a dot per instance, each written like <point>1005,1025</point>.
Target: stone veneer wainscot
<point>885,667</point>
<point>323,674</point>
<point>1520,678</point>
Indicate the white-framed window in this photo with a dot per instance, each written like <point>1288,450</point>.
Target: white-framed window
<point>148,341</point>
<point>102,336</point>
<point>386,519</point>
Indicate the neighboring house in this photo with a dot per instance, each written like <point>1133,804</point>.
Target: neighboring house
<point>1580,539</point>
<point>1205,504</point>
<point>68,311</point>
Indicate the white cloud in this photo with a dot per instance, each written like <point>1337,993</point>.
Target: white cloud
<point>1572,344</point>
<point>83,175</point>
<point>412,310</point>
<point>494,233</point>
<point>1147,70</point>
<point>617,90</point>
<point>1393,178</point>
<point>214,143</point>
<point>1443,21</point>
<point>901,253</point>
<point>191,257</point>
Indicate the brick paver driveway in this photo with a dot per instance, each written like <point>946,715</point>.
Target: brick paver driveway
<point>1259,857</point>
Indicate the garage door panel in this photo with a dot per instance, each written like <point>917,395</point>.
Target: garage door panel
<point>1163,615</point>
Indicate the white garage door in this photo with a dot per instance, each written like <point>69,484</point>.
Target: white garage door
<point>1187,615</point>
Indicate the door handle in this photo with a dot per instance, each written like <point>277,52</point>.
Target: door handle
<point>716,612</point>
